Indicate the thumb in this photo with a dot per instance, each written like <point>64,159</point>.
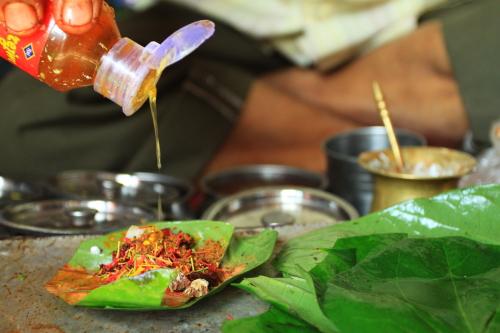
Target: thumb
<point>76,16</point>
<point>21,17</point>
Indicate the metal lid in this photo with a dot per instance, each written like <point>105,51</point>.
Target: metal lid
<point>274,206</point>
<point>73,216</point>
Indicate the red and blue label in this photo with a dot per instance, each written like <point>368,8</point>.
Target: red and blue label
<point>28,51</point>
<point>25,51</point>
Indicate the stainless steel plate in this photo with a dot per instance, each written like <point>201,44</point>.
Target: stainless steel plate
<point>274,206</point>
<point>60,217</point>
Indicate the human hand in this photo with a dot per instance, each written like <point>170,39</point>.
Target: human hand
<point>25,17</point>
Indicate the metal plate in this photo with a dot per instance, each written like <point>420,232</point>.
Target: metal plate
<point>280,205</point>
<point>54,216</point>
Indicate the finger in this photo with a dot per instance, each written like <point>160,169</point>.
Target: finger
<point>21,17</point>
<point>76,16</point>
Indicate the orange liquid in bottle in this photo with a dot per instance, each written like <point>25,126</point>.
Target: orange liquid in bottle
<point>71,61</point>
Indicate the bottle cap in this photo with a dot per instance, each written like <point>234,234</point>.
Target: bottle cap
<point>129,71</point>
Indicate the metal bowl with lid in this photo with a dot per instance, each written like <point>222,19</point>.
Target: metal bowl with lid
<point>141,187</point>
<point>219,184</point>
<point>17,191</point>
<point>274,206</point>
<point>68,217</point>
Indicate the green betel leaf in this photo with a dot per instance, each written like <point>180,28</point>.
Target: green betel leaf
<point>302,295</point>
<point>337,261</point>
<point>296,296</point>
<point>472,212</point>
<point>445,277</point>
<point>449,284</point>
<point>272,321</point>
<point>346,253</point>
<point>124,293</point>
<point>77,284</point>
<point>368,245</point>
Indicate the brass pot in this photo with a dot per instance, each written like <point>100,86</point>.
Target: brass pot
<point>428,171</point>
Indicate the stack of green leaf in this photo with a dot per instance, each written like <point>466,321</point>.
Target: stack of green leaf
<point>426,265</point>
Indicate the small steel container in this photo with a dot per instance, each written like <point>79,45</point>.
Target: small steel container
<point>143,188</point>
<point>177,208</point>
<point>68,217</point>
<point>274,206</point>
<point>17,191</point>
<point>229,181</point>
<point>345,177</point>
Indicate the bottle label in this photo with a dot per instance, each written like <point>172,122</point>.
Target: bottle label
<point>25,51</point>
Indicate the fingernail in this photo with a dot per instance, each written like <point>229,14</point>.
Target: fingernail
<point>19,16</point>
<point>77,12</point>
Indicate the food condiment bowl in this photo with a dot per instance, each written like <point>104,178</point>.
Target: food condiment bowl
<point>428,171</point>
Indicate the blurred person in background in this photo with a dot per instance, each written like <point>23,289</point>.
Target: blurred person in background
<point>275,80</point>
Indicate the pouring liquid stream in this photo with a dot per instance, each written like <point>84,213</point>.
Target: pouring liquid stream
<point>154,115</point>
<point>174,48</point>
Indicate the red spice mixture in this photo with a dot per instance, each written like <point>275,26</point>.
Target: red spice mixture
<point>156,248</point>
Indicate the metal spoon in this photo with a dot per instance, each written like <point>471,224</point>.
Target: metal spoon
<point>384,114</point>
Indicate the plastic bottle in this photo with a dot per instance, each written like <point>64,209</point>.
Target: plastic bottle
<point>117,67</point>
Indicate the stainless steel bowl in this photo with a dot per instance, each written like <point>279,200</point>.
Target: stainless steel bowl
<point>142,188</point>
<point>346,178</point>
<point>226,182</point>
<point>178,208</point>
<point>67,217</point>
<point>275,206</point>
<point>17,191</point>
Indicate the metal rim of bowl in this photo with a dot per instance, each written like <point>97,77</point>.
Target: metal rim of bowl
<point>257,169</point>
<point>212,210</point>
<point>369,130</point>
